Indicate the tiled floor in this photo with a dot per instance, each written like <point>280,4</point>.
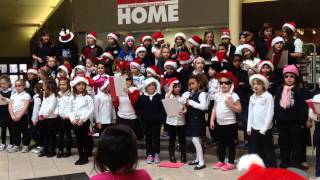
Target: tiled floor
<point>24,166</point>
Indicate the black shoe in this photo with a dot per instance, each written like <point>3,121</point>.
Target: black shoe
<point>199,167</point>
<point>183,158</point>
<point>83,161</point>
<point>60,154</point>
<point>90,154</point>
<point>77,162</point>
<point>172,157</point>
<point>67,154</point>
<point>42,154</point>
<point>192,163</point>
<point>50,155</point>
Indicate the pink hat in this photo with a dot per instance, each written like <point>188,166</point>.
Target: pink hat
<point>92,35</point>
<point>291,69</point>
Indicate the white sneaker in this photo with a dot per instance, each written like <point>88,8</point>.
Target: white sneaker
<point>13,149</point>
<point>37,150</point>
<point>3,147</point>
<point>25,149</point>
<point>10,146</point>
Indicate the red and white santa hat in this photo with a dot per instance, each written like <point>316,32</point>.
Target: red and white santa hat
<point>247,46</point>
<point>277,40</point>
<point>195,40</point>
<point>113,35</point>
<point>150,80</point>
<point>225,33</point>
<point>229,75</point>
<point>65,35</point>
<point>136,63</point>
<point>78,67</point>
<point>32,71</point>
<point>144,37</point>
<point>184,58</point>
<point>106,55</point>
<point>77,80</point>
<point>66,68</point>
<point>180,34</point>
<point>92,34</point>
<point>261,78</point>
<point>157,37</point>
<point>171,62</point>
<point>174,80</point>
<point>291,25</point>
<point>128,37</point>
<point>265,62</point>
<point>140,49</point>
<point>154,70</point>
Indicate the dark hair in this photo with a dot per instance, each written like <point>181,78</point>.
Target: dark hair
<point>38,87</point>
<point>75,92</point>
<point>204,37</point>
<point>263,28</point>
<point>68,83</point>
<point>201,79</point>
<point>117,150</point>
<point>126,48</point>
<point>43,33</point>
<point>290,34</point>
<point>51,84</point>
<point>237,55</point>
<point>224,45</point>
<point>6,78</point>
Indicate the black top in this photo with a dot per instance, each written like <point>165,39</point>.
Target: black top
<point>291,49</point>
<point>149,60</point>
<point>244,90</point>
<point>261,47</point>
<point>68,51</point>
<point>91,53</point>
<point>183,76</point>
<point>232,50</point>
<point>176,51</point>
<point>151,111</point>
<point>45,50</point>
<point>114,51</point>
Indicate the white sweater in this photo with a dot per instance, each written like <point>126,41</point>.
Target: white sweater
<point>177,120</point>
<point>81,107</point>
<point>48,106</point>
<point>64,104</point>
<point>104,111</point>
<point>36,108</point>
<point>261,109</point>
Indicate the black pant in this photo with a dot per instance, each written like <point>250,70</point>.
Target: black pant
<point>18,128</point>
<point>38,132</point>
<point>5,123</point>
<point>291,146</point>
<point>263,146</point>
<point>103,127</point>
<point>152,137</point>
<point>213,132</point>
<point>316,141</point>
<point>82,137</point>
<point>134,124</point>
<point>226,137</point>
<point>173,132</point>
<point>64,130</point>
<point>50,134</point>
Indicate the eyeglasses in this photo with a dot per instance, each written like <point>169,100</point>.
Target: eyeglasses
<point>289,76</point>
<point>225,82</point>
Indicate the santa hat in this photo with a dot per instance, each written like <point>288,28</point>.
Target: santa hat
<point>247,46</point>
<point>195,40</point>
<point>140,49</point>
<point>290,25</point>
<point>45,69</point>
<point>154,70</point>
<point>291,69</point>
<point>261,78</point>
<point>105,84</point>
<point>144,37</point>
<point>65,35</point>
<point>78,79</point>
<point>113,35</point>
<point>170,81</point>
<point>32,71</point>
<point>265,62</point>
<point>277,40</point>
<point>66,68</point>
<point>199,58</point>
<point>170,62</point>
<point>184,58</point>
<point>229,75</point>
<point>157,37</point>
<point>78,67</point>
<point>106,55</point>
<point>93,35</point>
<point>136,63</point>
<point>150,80</point>
<point>255,170</point>
<point>180,34</point>
<point>220,57</point>
<point>128,37</point>
<point>225,33</point>
<point>123,65</point>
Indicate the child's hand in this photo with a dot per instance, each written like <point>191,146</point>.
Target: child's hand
<point>41,117</point>
<point>98,125</point>
<point>309,124</point>
<point>187,102</point>
<point>211,124</point>
<point>249,133</point>
<point>80,122</point>
<point>229,101</point>
<point>34,123</point>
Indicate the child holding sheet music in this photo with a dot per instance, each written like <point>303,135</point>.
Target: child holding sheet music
<point>176,124</point>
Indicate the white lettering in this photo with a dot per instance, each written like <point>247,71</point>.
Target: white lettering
<point>124,16</point>
<point>143,15</point>
<point>157,15</point>
<point>173,13</point>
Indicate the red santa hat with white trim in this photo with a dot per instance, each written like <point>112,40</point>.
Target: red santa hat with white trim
<point>136,63</point>
<point>170,62</point>
<point>65,35</point>
<point>150,80</point>
<point>265,62</point>
<point>180,34</point>
<point>92,34</point>
<point>247,46</point>
<point>173,80</point>
<point>277,40</point>
<point>291,25</point>
<point>225,33</point>
<point>66,68</point>
<point>144,38</point>
<point>32,71</point>
<point>140,49</point>
<point>184,58</point>
<point>128,37</point>
<point>113,35</point>
<point>157,37</point>
<point>78,79</point>
<point>106,55</point>
<point>154,70</point>
<point>195,40</point>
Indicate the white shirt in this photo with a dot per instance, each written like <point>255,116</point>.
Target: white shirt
<point>202,102</point>
<point>213,88</point>
<point>36,108</point>
<point>81,107</point>
<point>177,120</point>
<point>18,100</point>
<point>104,111</point>
<point>64,104</point>
<point>125,109</point>
<point>138,81</point>
<point>261,109</point>
<point>48,106</point>
<point>224,114</point>
<point>298,45</point>
<point>313,116</point>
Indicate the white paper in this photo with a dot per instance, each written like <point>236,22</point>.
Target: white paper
<point>172,106</point>
<point>120,85</point>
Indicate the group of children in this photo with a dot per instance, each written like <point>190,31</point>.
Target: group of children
<point>228,83</point>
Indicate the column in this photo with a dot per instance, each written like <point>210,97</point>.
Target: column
<point>235,19</point>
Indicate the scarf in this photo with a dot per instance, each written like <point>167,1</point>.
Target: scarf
<point>286,96</point>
